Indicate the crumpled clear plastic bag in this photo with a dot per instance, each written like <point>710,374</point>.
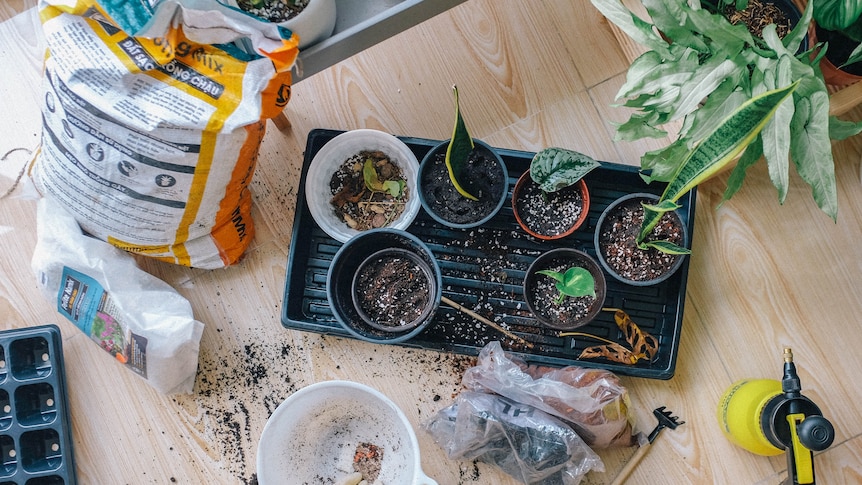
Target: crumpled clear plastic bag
<point>526,443</point>
<point>593,401</point>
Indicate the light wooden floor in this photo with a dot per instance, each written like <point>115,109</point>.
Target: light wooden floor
<point>531,75</point>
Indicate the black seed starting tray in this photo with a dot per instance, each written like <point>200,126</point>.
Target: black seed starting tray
<point>483,269</point>
<point>35,428</point>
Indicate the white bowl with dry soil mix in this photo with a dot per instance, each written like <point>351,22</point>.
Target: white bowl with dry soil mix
<point>339,432</point>
<point>362,179</point>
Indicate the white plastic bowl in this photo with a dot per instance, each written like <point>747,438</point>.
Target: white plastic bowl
<point>314,24</point>
<point>312,436</point>
<point>333,154</point>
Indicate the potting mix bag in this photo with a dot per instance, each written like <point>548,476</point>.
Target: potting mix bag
<point>137,318</point>
<point>153,115</point>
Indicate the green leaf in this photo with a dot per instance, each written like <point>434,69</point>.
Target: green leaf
<point>662,206</point>
<point>729,139</point>
<point>702,84</point>
<point>836,14</point>
<point>458,151</point>
<point>374,184</point>
<point>726,98</point>
<point>557,168</point>
<point>842,129</point>
<point>665,247</point>
<point>793,40</point>
<point>639,125</point>
<point>575,282</point>
<point>855,56</point>
<point>810,142</point>
<point>660,165</point>
<point>776,133</point>
<point>639,30</point>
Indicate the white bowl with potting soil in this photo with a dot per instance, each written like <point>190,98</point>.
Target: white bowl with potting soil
<point>384,286</point>
<point>360,180</point>
<point>338,432</point>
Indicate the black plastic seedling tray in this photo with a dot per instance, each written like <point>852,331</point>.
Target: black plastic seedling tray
<point>35,428</point>
<point>483,269</point>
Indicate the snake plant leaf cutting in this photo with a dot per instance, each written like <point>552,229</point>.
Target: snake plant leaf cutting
<point>575,282</point>
<point>459,150</point>
<point>557,168</point>
<point>711,154</point>
<point>698,68</point>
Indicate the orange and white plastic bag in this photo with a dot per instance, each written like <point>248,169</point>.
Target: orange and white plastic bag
<point>152,121</point>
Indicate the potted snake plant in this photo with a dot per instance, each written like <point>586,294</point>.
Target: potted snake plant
<point>647,247</point>
<point>463,182</point>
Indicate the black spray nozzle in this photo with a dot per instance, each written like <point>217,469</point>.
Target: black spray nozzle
<point>790,384</point>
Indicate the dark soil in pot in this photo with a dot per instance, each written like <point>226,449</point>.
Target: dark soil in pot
<point>549,215</point>
<point>541,293</point>
<point>484,176</point>
<point>392,290</point>
<point>615,238</point>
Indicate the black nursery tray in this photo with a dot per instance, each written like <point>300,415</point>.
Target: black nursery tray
<point>35,428</point>
<point>483,269</point>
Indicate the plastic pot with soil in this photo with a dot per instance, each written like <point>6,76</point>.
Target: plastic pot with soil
<point>384,286</point>
<point>484,175</point>
<point>565,288</point>
<point>616,244</point>
<point>550,200</point>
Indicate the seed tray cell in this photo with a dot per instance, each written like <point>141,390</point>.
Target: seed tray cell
<point>483,269</point>
<point>35,427</point>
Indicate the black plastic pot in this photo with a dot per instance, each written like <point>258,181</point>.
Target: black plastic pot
<point>447,207</point>
<point>602,225</point>
<point>419,271</point>
<point>345,265</point>
<point>542,308</point>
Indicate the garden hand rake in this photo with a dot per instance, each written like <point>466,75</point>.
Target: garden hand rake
<point>665,420</point>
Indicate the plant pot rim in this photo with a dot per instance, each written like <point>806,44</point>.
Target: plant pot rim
<point>339,280</point>
<point>426,162</point>
<point>680,260</point>
<point>427,271</point>
<point>589,263</point>
<point>525,179</point>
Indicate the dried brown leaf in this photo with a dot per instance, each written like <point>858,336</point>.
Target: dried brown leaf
<point>643,344</point>
<point>613,352</point>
